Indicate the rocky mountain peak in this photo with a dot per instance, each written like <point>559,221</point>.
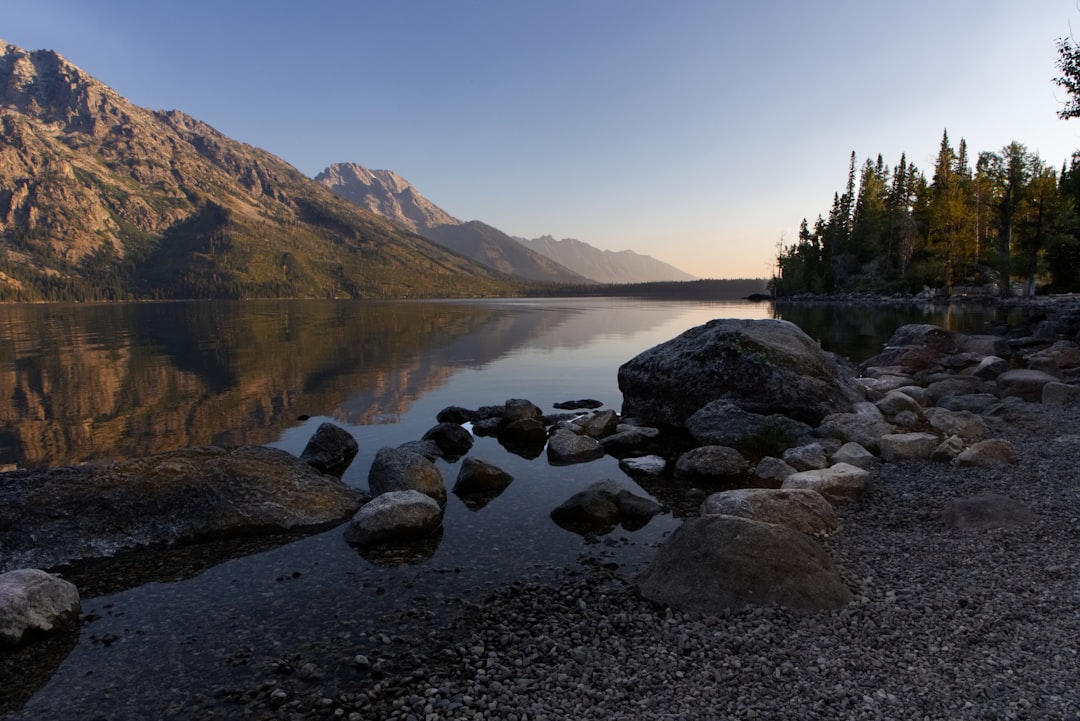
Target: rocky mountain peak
<point>386,193</point>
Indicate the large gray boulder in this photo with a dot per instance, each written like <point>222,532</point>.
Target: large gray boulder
<point>711,563</point>
<point>763,366</point>
<point>566,447</point>
<point>63,515</point>
<point>394,516</point>
<point>399,469</point>
<point>801,509</point>
<point>912,349</point>
<point>711,463</point>
<point>34,603</point>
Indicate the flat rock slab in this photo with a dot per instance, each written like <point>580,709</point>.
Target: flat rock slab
<point>63,515</point>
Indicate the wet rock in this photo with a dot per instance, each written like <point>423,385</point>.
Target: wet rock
<point>599,424</point>
<point>33,604</point>
<point>802,510</point>
<point>330,450</point>
<point>598,509</point>
<point>525,437</point>
<point>479,482</point>
<point>763,366</point>
<point>644,466</point>
<point>394,516</point>
<point>62,515</point>
<point>455,414</point>
<point>516,409</point>
<point>453,440</point>
<point>712,563</point>
<point>396,469</point>
<point>627,441</point>
<point>566,447</point>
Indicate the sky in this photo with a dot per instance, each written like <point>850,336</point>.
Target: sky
<point>700,132</point>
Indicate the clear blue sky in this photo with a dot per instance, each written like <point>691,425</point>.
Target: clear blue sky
<point>699,132</point>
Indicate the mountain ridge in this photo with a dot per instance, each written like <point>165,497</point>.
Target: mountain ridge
<point>606,266</point>
<point>102,199</point>
<point>391,196</point>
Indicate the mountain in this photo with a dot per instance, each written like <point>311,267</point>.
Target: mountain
<point>391,196</point>
<point>605,266</point>
<point>102,199</point>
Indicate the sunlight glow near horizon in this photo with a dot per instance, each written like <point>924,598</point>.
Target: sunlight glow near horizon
<point>698,133</point>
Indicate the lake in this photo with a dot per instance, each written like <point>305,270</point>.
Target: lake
<point>89,382</point>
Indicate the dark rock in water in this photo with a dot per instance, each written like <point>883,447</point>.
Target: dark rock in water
<point>394,516</point>
<point>988,510</point>
<point>763,366</point>
<point>599,424</point>
<point>711,563</point>
<point>33,604</point>
<point>396,469</point>
<point>480,482</point>
<point>429,449</point>
<point>566,447</point>
<point>453,440</point>
<point>517,408</point>
<point>585,403</point>
<point>644,466</point>
<point>628,441</point>
<point>330,450</point>
<point>914,348</point>
<point>525,437</point>
<point>402,552</point>
<point>455,414</point>
<point>63,515</point>
<point>490,426</point>
<point>598,509</point>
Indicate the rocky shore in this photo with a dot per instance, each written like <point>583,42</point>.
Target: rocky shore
<point>954,538</point>
<point>946,623</point>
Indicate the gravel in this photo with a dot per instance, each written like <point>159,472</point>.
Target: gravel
<point>946,624</point>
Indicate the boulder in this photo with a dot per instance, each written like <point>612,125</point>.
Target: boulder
<point>983,404</point>
<point>515,409</point>
<point>806,458</point>
<point>991,367</point>
<point>799,509</point>
<point>948,449</point>
<point>1059,360</point>
<point>711,463</point>
<point>989,453</point>
<point>897,401</point>
<point>394,516</point>
<point>33,604</point>
<point>908,446</point>
<point>455,414</point>
<point>598,509</point>
<point>863,428</point>
<point>452,439</point>
<point>964,424</point>
<point>599,424</point>
<point>330,450</point>
<point>1060,394</point>
<point>913,349</point>
<point>763,366</point>
<point>478,477</point>
<point>627,441</point>
<point>1024,383</point>
<point>989,510</point>
<point>525,437</point>
<point>838,483</point>
<point>773,469</point>
<point>712,563</point>
<point>397,469</point>
<point>62,515</point>
<point>644,466</point>
<point>566,447</point>
<point>856,455</point>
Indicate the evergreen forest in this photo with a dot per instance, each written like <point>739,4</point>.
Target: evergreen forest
<point>1003,222</point>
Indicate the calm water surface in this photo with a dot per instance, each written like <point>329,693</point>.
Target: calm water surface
<point>82,383</point>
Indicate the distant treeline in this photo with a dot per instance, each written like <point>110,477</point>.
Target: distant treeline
<point>709,289</point>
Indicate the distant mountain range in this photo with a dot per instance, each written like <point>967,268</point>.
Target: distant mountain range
<point>605,266</point>
<point>102,199</point>
<point>388,194</point>
<point>543,259</point>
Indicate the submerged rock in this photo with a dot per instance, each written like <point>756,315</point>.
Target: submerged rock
<point>330,450</point>
<point>63,515</point>
<point>394,516</point>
